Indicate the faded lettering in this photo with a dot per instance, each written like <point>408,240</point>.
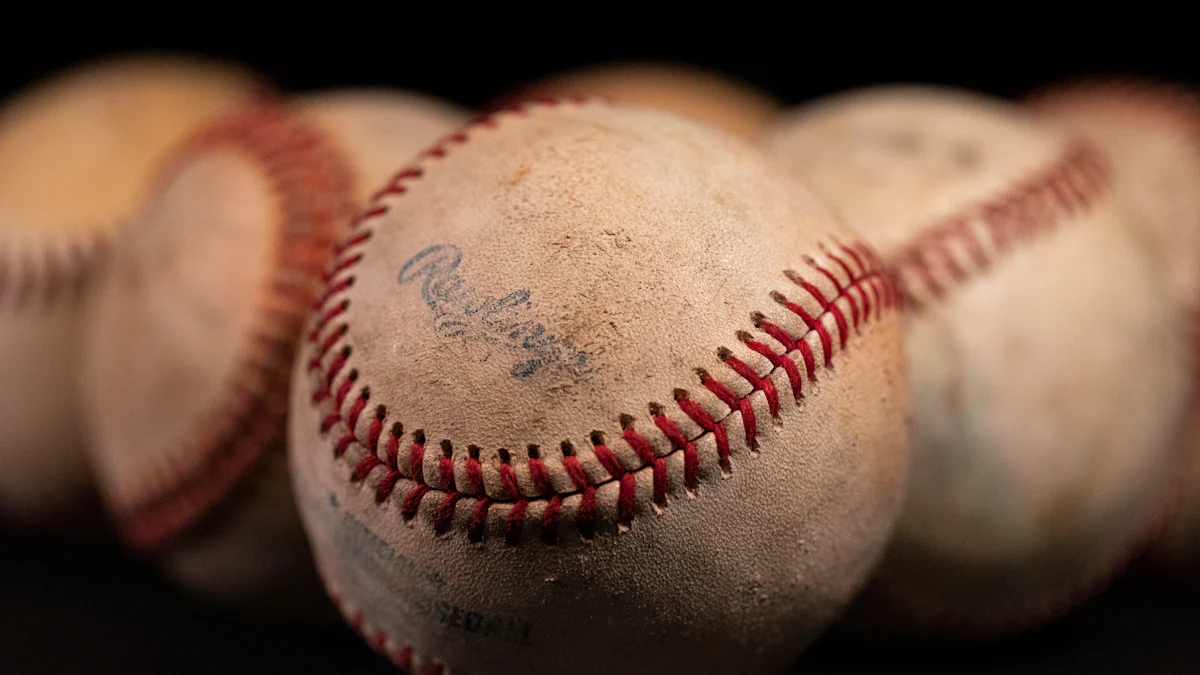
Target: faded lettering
<point>504,323</point>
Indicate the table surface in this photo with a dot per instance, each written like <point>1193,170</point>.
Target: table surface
<point>67,607</point>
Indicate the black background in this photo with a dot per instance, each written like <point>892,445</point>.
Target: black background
<point>68,606</point>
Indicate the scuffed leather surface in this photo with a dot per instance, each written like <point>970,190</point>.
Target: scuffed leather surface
<point>1046,389</point>
<point>644,244</point>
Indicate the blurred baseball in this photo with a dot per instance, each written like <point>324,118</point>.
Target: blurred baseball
<point>692,92</point>
<point>597,389</point>
<point>1048,361</point>
<point>194,327</point>
<point>76,155</point>
<point>1151,133</point>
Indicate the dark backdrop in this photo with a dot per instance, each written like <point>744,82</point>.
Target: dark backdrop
<point>68,607</point>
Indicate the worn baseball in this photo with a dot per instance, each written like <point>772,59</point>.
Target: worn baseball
<point>1048,363</point>
<point>1151,133</point>
<point>190,341</point>
<point>597,389</point>
<point>692,92</point>
<point>77,152</point>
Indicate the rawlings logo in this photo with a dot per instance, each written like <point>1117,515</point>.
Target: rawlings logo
<point>462,314</point>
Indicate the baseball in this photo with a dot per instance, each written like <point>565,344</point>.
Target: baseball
<point>194,325</point>
<point>76,155</point>
<point>1048,362</point>
<point>597,389</point>
<point>1151,132</point>
<point>691,92</point>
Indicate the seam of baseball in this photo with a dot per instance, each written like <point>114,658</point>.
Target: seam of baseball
<point>864,276</point>
<point>314,183</point>
<point>402,655</point>
<point>966,243</point>
<point>37,275</point>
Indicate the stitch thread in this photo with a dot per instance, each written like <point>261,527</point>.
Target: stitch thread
<point>316,186</point>
<point>967,243</point>
<point>868,284</point>
<point>38,279</point>
<point>402,657</point>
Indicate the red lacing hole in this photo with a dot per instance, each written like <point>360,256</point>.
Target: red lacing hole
<point>343,443</point>
<point>780,335</point>
<point>646,452</point>
<point>392,451</point>
<point>550,520</point>
<point>867,286</point>
<point>508,478</point>
<point>365,467</point>
<point>777,360</point>
<point>516,519</point>
<point>393,442</point>
<point>357,239</point>
<point>413,502</point>
<point>446,468</point>
<point>328,316</point>
<point>375,430</point>
<point>626,499</point>
<point>810,321</point>
<point>842,290</point>
<point>386,485</point>
<point>478,523</point>
<point>606,457</point>
<point>315,362</point>
<point>344,391</point>
<point>445,513</point>
<point>333,290</point>
<point>586,517</point>
<point>810,361</point>
<point>747,373</point>
<point>691,459</point>
<point>702,418</point>
<point>474,473</point>
<point>572,466</point>
<point>416,459</point>
<point>340,265</point>
<point>826,305</point>
<point>404,660</point>
<point>538,473</point>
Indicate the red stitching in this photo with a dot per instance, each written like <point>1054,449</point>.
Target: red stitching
<point>402,658</point>
<point>862,278</point>
<point>32,279</point>
<point>927,268</point>
<point>315,184</point>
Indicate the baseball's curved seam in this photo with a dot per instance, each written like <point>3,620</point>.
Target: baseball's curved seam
<point>960,246</point>
<point>870,282</point>
<point>57,272</point>
<point>400,657</point>
<point>314,182</point>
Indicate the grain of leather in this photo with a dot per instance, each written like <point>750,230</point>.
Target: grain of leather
<point>1047,370</point>
<point>192,334</point>
<point>554,283</point>
<point>76,155</point>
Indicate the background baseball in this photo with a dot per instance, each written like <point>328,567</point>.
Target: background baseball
<point>1151,132</point>
<point>194,327</point>
<point>1043,426</point>
<point>76,156</point>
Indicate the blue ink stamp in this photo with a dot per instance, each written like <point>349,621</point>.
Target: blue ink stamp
<point>462,313</point>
